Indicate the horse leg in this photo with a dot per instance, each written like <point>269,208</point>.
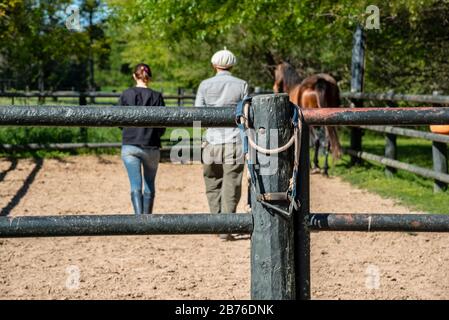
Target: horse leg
<point>315,156</point>
<point>315,139</point>
<point>326,158</point>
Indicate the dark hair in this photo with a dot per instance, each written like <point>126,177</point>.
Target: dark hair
<point>142,72</point>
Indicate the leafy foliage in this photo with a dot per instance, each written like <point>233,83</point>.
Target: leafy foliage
<point>40,52</point>
<point>178,38</point>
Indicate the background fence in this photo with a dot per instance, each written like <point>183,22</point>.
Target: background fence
<point>81,98</point>
<point>389,159</point>
<point>439,173</point>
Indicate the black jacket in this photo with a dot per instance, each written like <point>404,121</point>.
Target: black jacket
<point>142,137</point>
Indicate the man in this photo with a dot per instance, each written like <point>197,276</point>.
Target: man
<point>223,161</point>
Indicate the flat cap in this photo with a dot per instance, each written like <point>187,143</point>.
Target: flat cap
<point>224,59</point>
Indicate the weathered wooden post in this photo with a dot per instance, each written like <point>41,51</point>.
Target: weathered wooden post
<point>53,97</point>
<point>272,240</point>
<point>181,96</point>
<point>27,94</point>
<point>390,143</point>
<point>357,75</point>
<point>439,158</point>
<point>301,221</point>
<point>92,95</point>
<point>41,92</point>
<point>83,130</point>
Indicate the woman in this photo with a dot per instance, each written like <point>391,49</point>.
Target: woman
<point>140,146</point>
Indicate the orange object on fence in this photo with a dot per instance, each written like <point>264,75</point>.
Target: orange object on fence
<point>443,129</point>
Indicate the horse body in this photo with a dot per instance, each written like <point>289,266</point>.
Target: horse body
<point>316,91</point>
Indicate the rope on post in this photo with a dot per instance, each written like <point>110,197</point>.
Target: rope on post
<point>253,144</point>
<point>242,119</point>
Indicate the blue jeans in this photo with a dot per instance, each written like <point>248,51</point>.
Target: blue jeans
<point>136,158</point>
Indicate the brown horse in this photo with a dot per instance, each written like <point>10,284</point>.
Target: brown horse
<point>316,91</point>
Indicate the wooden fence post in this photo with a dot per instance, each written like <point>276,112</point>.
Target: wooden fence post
<point>83,130</point>
<point>27,91</point>
<point>92,99</point>
<point>181,96</point>
<point>357,75</point>
<point>301,221</point>
<point>53,97</point>
<point>439,158</point>
<point>272,240</point>
<point>390,144</point>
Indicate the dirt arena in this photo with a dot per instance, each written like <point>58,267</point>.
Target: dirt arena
<point>410,266</point>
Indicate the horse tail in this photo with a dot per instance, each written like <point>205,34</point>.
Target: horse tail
<point>335,143</point>
<point>321,88</point>
<point>324,89</point>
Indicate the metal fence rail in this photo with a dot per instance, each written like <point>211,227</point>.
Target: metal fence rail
<point>418,98</point>
<point>112,116</point>
<point>376,116</point>
<point>410,133</point>
<point>431,99</point>
<point>58,146</point>
<point>427,173</point>
<point>76,94</point>
<point>82,97</point>
<point>171,224</point>
<point>109,225</point>
<point>80,145</point>
<point>380,222</point>
<point>138,116</point>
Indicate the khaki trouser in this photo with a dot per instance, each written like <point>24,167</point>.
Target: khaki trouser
<point>223,166</point>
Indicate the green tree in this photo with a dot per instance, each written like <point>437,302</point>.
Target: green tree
<point>40,52</point>
<point>179,36</point>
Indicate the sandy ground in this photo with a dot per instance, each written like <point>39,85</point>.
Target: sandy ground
<point>344,265</point>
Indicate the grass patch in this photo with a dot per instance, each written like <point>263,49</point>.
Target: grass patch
<point>409,189</point>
